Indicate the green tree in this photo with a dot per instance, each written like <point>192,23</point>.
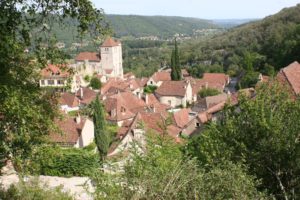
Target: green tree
<point>26,45</point>
<point>263,134</point>
<point>95,83</point>
<point>208,92</point>
<point>163,172</point>
<point>175,64</point>
<point>102,135</point>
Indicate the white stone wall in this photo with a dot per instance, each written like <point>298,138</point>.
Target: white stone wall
<point>111,58</point>
<point>172,101</point>
<point>87,134</point>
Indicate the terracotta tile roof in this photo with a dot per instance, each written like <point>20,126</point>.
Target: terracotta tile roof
<point>185,73</point>
<point>182,117</point>
<point>161,76</point>
<point>110,42</point>
<point>90,56</point>
<point>128,75</point>
<point>216,77</point>
<point>172,88</point>
<point>142,81</point>
<point>216,108</point>
<point>123,105</point>
<point>203,117</point>
<point>60,71</point>
<point>115,85</point>
<point>213,100</point>
<point>89,95</point>
<point>71,131</point>
<point>68,99</point>
<point>156,106</point>
<point>292,75</point>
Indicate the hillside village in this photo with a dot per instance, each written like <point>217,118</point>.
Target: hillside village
<point>135,113</point>
<point>127,104</point>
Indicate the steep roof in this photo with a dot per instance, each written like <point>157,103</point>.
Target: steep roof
<point>213,100</point>
<point>90,56</point>
<point>71,130</point>
<point>86,95</point>
<point>68,99</point>
<point>60,71</point>
<point>161,76</point>
<point>292,75</point>
<point>110,42</point>
<point>172,88</point>
<point>182,117</point>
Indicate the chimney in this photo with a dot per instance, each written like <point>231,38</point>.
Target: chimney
<point>81,93</point>
<point>146,99</point>
<point>206,85</point>
<point>78,119</point>
<point>153,108</point>
<point>104,97</point>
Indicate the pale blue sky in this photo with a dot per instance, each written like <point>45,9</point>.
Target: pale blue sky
<point>207,9</point>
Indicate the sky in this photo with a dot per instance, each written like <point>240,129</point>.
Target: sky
<point>205,9</point>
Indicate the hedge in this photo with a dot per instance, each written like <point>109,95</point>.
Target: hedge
<point>57,161</point>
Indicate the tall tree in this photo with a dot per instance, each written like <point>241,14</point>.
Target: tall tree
<point>175,64</point>
<point>102,135</point>
<point>263,134</point>
<point>26,45</point>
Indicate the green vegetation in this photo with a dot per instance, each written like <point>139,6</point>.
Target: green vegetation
<point>160,26</point>
<point>163,172</point>
<point>262,136</point>
<point>175,65</point>
<point>208,92</point>
<point>32,191</point>
<point>149,89</point>
<point>65,162</point>
<point>272,42</point>
<point>102,135</point>
<point>95,83</point>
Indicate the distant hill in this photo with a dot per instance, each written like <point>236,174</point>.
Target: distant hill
<point>160,26</point>
<point>273,41</point>
<point>230,23</point>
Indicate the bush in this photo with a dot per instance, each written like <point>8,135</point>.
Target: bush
<point>150,89</point>
<point>56,161</point>
<point>95,83</point>
<point>32,190</point>
<point>208,92</point>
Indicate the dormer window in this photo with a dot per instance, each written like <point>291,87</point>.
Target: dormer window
<point>123,110</point>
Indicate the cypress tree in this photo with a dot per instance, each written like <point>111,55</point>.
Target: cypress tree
<point>173,70</point>
<point>177,62</point>
<point>102,137</point>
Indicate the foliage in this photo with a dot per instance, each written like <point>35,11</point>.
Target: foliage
<point>58,161</point>
<point>263,134</point>
<point>32,191</point>
<point>198,70</point>
<point>208,92</point>
<point>87,78</point>
<point>249,80</point>
<point>150,89</point>
<point>162,172</point>
<point>175,64</point>
<point>273,41</point>
<point>95,83</point>
<point>102,136</point>
<point>26,46</point>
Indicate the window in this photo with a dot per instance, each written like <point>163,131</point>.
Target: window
<point>197,124</point>
<point>151,82</point>
<point>123,110</point>
<point>42,82</point>
<point>50,82</point>
<point>60,82</point>
<point>106,49</point>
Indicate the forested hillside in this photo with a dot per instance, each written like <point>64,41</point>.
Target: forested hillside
<point>264,45</point>
<point>160,26</point>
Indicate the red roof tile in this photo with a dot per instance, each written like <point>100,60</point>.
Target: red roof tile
<point>172,88</point>
<point>110,42</point>
<point>55,71</point>
<point>86,95</point>
<point>182,117</point>
<point>68,99</point>
<point>161,76</point>
<point>71,131</point>
<point>292,75</point>
<point>90,56</point>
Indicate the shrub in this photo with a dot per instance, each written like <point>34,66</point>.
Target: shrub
<point>208,92</point>
<point>56,161</point>
<point>150,89</point>
<point>95,83</point>
<point>32,190</point>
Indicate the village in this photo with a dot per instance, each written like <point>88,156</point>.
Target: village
<point>130,101</point>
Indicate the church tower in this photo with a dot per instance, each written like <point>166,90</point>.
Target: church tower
<point>111,58</point>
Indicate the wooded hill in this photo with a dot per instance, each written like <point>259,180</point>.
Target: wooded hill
<point>273,42</point>
<point>160,26</point>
